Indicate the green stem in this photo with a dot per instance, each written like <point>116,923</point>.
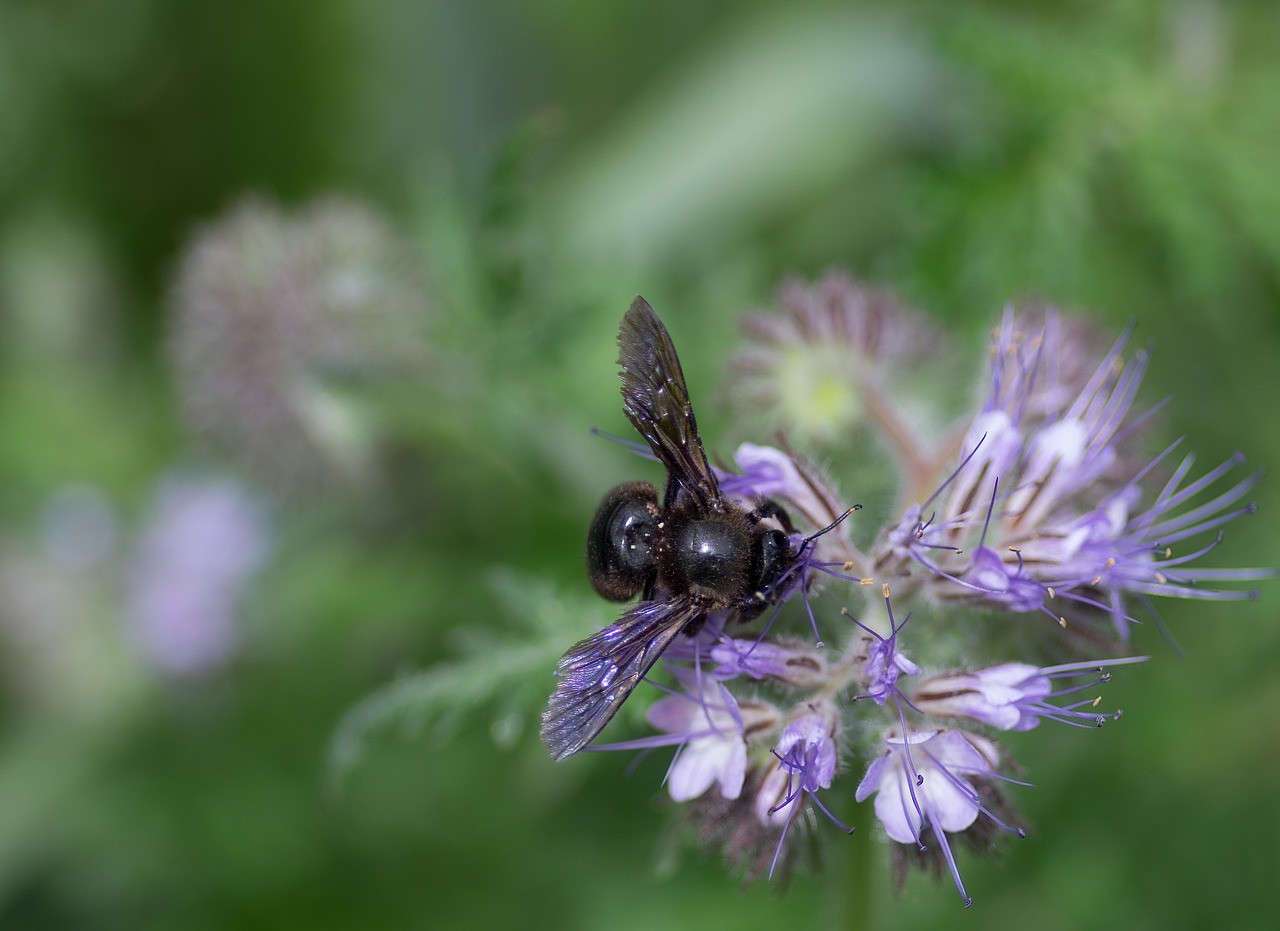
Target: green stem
<point>859,903</point>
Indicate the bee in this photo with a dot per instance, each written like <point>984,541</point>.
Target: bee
<point>693,553</point>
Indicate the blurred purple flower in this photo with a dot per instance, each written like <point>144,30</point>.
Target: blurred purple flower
<point>202,544</point>
<point>278,318</point>
<point>825,363</point>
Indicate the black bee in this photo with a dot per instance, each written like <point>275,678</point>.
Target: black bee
<point>694,553</point>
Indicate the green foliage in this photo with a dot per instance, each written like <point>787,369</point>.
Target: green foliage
<point>504,671</point>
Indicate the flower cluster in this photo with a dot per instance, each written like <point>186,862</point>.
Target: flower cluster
<point>1046,510</point>
<point>278,319</point>
<point>1040,504</point>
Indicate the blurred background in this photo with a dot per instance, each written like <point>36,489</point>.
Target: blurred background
<point>228,522</point>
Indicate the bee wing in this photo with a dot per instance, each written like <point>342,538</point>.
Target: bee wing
<point>656,400</point>
<point>598,673</point>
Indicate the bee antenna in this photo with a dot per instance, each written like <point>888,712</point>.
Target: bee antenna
<point>833,525</point>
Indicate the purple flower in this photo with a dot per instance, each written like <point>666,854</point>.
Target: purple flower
<point>1116,551</point>
<point>1015,696</point>
<point>712,749</point>
<point>793,664</point>
<point>1052,493</point>
<point>204,541</point>
<point>807,751</point>
<point>766,472</point>
<point>707,725</point>
<point>806,762</point>
<point>883,661</point>
<point>927,777</point>
<point>1004,583</point>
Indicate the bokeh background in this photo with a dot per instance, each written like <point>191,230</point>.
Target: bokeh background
<point>191,604</point>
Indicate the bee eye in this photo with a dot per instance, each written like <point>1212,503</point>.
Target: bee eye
<point>775,557</point>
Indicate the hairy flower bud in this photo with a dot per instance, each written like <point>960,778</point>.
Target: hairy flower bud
<point>820,367</point>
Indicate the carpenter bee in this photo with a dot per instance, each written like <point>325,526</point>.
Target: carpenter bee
<point>694,553</point>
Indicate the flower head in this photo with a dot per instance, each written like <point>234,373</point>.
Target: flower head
<point>277,317</point>
<point>1046,502</point>
<point>1041,503</point>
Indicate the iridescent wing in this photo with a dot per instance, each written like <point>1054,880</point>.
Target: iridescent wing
<point>598,673</point>
<point>656,401</point>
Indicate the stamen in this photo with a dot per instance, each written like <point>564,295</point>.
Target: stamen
<point>995,487</point>
<point>952,477</point>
